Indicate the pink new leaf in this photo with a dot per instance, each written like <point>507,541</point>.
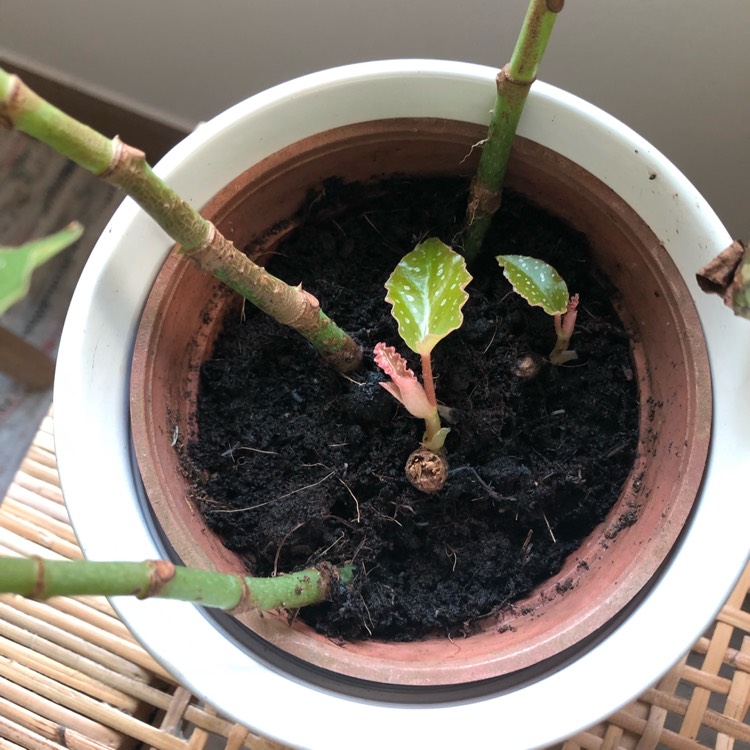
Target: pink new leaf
<point>404,385</point>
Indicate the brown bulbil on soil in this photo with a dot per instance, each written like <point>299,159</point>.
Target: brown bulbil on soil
<point>426,470</point>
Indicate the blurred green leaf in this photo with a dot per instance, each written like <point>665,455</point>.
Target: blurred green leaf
<point>427,292</point>
<point>536,281</point>
<point>741,288</point>
<point>18,263</point>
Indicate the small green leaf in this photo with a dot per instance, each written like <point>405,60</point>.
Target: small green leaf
<point>18,263</point>
<point>426,290</point>
<point>536,281</point>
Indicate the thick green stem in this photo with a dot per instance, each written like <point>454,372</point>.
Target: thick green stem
<point>126,167</point>
<point>513,84</point>
<point>40,579</point>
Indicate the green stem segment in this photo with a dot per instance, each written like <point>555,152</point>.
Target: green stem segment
<point>40,579</point>
<point>126,167</point>
<point>513,84</point>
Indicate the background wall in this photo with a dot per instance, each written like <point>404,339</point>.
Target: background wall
<point>677,71</point>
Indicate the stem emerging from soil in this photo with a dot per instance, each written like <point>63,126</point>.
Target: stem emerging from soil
<point>513,84</point>
<point>126,167</point>
<point>40,579</point>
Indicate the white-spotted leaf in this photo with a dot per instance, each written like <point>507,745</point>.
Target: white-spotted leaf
<point>536,281</point>
<point>18,263</point>
<point>427,292</point>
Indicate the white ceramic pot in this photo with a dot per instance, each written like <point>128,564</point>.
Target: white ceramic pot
<point>102,488</point>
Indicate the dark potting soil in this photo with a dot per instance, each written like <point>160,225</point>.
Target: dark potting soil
<point>299,464</point>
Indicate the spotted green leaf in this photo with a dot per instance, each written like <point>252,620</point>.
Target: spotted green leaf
<point>426,290</point>
<point>536,281</point>
<point>18,263</point>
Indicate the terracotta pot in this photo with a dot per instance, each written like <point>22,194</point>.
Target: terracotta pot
<point>548,661</point>
<point>185,310</point>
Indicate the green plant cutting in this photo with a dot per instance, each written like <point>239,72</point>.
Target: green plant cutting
<point>126,167</point>
<point>513,84</point>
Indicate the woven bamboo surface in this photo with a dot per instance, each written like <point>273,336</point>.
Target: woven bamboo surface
<point>72,676</point>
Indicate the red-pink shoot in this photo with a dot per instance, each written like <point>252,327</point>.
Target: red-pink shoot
<point>564,326</point>
<point>406,388</point>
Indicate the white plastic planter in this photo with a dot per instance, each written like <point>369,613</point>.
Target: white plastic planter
<point>101,488</point>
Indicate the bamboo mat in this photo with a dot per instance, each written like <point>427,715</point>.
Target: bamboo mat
<point>71,676</point>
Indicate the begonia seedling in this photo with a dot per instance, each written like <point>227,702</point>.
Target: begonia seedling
<point>427,292</point>
<point>542,286</point>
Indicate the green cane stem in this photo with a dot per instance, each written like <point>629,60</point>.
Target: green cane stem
<point>38,578</point>
<point>513,84</point>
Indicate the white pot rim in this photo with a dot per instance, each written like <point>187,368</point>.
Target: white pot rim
<point>91,405</point>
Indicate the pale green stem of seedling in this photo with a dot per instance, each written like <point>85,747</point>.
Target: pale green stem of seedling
<point>18,263</point>
<point>199,239</point>
<point>513,84</point>
<point>427,292</point>
<point>38,578</point>
<point>564,326</point>
<point>542,286</point>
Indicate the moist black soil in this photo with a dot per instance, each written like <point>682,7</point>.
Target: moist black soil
<point>298,464</point>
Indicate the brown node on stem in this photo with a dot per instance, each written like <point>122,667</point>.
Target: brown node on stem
<point>125,159</point>
<point>505,79</point>
<point>483,201</point>
<point>426,470</point>
<point>11,103</point>
<point>329,577</point>
<point>244,605</point>
<point>40,584</point>
<point>160,573</point>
